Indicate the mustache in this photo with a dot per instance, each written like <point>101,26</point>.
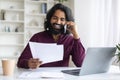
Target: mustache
<point>56,28</point>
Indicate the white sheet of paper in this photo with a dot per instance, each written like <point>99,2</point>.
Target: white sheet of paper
<point>41,75</point>
<point>46,52</point>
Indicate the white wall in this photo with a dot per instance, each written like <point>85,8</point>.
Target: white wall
<point>83,20</point>
<point>82,14</point>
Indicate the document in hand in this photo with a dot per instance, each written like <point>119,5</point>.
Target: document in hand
<point>46,52</point>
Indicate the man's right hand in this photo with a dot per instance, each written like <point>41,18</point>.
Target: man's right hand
<point>34,63</point>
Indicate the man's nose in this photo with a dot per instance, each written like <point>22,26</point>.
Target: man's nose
<point>58,21</point>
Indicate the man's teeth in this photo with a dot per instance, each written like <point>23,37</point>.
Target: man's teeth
<point>57,26</point>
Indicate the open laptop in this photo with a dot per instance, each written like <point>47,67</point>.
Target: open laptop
<point>97,60</point>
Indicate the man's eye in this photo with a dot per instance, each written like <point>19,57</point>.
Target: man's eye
<point>62,19</point>
<point>54,18</point>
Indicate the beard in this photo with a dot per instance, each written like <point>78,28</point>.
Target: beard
<point>56,29</point>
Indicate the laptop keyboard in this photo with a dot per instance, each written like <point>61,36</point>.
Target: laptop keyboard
<point>72,72</point>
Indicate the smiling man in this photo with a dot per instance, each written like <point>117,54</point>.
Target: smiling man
<point>55,32</point>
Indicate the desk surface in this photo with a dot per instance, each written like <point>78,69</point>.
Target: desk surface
<point>113,74</point>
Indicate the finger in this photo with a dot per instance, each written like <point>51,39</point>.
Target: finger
<point>36,65</point>
<point>30,59</point>
<point>33,65</point>
<point>40,62</point>
<point>70,23</point>
<point>34,60</point>
<point>68,27</point>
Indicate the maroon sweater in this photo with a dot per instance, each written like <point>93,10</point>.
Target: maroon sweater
<point>72,47</point>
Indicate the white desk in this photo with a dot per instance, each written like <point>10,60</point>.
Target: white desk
<point>113,74</point>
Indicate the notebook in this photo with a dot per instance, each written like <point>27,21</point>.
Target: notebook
<point>97,60</point>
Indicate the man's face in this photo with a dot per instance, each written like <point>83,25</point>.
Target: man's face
<point>58,21</point>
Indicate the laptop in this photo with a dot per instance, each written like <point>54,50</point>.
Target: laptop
<point>97,60</point>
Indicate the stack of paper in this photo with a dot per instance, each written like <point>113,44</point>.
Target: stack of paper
<point>46,52</point>
<point>41,75</point>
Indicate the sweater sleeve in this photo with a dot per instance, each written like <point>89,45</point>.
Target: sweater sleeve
<point>78,52</point>
<point>26,55</point>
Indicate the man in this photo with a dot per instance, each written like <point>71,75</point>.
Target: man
<point>57,18</point>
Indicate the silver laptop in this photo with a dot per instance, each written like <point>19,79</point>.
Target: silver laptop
<point>97,60</point>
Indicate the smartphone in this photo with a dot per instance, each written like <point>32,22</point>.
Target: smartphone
<point>65,28</point>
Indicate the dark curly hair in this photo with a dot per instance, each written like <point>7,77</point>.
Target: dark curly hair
<point>50,13</point>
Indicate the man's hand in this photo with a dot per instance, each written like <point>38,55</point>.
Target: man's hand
<point>73,29</point>
<point>34,63</point>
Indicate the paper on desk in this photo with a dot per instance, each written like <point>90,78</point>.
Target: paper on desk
<point>46,52</point>
<point>41,75</point>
